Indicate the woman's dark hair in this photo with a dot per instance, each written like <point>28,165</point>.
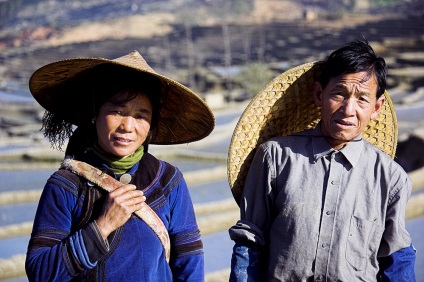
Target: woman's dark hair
<point>106,83</point>
<point>356,56</point>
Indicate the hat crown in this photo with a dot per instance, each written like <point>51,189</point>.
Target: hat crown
<point>135,60</point>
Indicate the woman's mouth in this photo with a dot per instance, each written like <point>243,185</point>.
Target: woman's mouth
<point>122,140</point>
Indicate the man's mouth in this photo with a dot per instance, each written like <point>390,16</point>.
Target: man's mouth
<point>344,123</point>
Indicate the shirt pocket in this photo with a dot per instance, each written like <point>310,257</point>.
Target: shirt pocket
<point>358,242</point>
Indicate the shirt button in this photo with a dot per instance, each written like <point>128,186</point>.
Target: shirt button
<point>328,213</point>
<point>333,182</point>
<point>319,278</point>
<point>323,245</point>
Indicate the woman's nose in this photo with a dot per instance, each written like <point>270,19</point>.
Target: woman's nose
<point>127,123</point>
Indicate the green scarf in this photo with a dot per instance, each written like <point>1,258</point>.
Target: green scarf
<point>117,164</point>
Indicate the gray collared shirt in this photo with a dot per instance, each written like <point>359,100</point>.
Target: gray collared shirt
<point>323,214</point>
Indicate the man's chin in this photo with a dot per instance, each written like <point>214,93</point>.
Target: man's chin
<point>345,137</point>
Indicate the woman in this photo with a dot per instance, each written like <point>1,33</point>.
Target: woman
<point>111,110</point>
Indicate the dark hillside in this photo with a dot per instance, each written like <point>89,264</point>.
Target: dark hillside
<point>279,44</point>
<point>288,43</point>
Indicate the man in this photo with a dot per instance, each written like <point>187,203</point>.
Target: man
<point>324,204</point>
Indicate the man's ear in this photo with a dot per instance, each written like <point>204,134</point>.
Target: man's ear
<point>317,93</point>
<point>378,106</point>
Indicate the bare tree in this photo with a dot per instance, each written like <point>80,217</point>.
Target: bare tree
<point>247,40</point>
<point>190,54</point>
<point>190,19</point>
<point>167,55</point>
<point>227,48</point>
<point>227,11</point>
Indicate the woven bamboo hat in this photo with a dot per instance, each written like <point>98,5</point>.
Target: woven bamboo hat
<point>184,117</point>
<point>286,106</point>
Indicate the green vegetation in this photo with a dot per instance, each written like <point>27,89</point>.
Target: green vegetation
<point>254,77</point>
<point>378,3</point>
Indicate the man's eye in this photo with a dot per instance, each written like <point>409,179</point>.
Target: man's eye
<point>337,96</point>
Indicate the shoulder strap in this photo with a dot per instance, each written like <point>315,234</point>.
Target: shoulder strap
<point>109,184</point>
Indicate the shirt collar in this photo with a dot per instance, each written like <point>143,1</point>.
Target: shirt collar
<point>352,151</point>
<point>321,147</point>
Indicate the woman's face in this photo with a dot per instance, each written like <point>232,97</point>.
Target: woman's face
<point>123,128</point>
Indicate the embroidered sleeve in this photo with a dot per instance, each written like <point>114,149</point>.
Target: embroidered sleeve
<point>187,260</point>
<point>54,253</point>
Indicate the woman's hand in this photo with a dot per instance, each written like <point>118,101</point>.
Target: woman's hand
<point>118,207</point>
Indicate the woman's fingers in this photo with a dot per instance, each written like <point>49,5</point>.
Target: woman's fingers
<point>122,190</point>
<point>127,194</point>
<point>118,207</point>
<point>133,202</point>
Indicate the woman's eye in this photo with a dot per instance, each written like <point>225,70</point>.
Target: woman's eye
<point>142,117</point>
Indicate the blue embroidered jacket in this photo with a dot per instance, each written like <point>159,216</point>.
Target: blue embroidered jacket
<point>65,244</point>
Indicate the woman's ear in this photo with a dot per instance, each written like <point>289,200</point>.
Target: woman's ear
<point>317,93</point>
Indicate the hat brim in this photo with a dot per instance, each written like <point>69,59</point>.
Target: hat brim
<point>183,118</point>
<point>286,106</point>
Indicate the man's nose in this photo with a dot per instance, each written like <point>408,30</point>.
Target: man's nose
<point>349,106</point>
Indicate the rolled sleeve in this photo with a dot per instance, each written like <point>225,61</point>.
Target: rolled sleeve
<point>250,232</point>
<point>395,236</point>
<point>246,231</point>
<point>257,199</point>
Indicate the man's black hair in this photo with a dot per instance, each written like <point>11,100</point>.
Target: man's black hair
<point>356,56</point>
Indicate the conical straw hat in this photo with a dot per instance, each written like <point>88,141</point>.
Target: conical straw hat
<point>184,117</point>
<point>286,106</point>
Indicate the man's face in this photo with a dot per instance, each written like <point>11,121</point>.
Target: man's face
<point>348,103</point>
